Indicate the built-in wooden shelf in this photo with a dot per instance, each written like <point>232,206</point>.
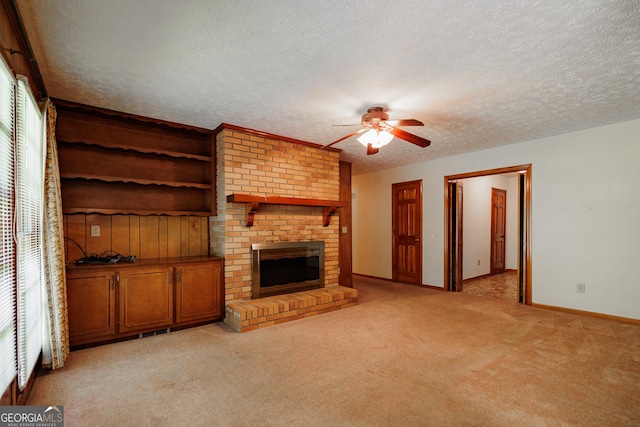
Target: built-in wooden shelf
<point>124,179</point>
<point>117,163</point>
<point>253,204</point>
<point>142,150</point>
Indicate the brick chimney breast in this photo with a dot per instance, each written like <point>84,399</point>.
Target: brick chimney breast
<point>258,165</point>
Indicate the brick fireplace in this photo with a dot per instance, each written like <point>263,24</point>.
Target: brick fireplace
<point>251,163</point>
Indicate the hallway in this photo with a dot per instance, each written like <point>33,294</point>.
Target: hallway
<point>504,285</point>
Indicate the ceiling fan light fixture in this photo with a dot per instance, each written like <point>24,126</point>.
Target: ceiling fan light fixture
<point>376,138</point>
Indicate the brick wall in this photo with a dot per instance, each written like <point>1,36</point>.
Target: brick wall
<point>262,166</point>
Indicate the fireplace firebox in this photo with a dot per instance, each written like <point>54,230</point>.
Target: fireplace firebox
<point>281,268</point>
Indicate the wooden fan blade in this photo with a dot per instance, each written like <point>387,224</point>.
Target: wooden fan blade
<point>414,139</point>
<point>405,122</point>
<point>343,138</point>
<point>371,150</point>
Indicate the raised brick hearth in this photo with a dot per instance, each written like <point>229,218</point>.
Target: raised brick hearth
<point>252,164</point>
<point>246,316</point>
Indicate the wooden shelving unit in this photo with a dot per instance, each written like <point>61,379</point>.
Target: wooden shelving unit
<point>117,163</point>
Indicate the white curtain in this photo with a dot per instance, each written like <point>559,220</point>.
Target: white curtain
<point>56,330</point>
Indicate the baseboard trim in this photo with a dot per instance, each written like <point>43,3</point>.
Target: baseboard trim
<point>438,288</point>
<point>588,313</point>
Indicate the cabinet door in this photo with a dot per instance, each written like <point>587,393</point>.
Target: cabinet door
<point>198,292</point>
<point>91,304</point>
<point>146,299</point>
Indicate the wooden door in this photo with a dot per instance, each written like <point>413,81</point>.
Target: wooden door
<point>407,232</point>
<point>199,294</point>
<point>91,306</point>
<point>146,298</point>
<point>498,230</point>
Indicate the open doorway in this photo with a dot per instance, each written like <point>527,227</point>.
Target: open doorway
<point>454,242</point>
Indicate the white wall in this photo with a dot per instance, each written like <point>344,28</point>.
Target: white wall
<point>585,216</point>
<point>476,224</point>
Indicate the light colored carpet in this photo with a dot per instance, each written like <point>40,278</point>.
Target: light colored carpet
<point>405,356</point>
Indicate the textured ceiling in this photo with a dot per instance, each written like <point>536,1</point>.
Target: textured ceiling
<point>478,74</point>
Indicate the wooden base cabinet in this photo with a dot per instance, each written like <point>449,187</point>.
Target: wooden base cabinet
<point>146,299</point>
<point>91,301</point>
<point>198,295</point>
<point>107,303</point>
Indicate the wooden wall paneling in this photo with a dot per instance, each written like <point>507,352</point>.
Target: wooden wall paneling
<point>163,237</point>
<point>134,235</point>
<point>76,232</point>
<point>145,237</point>
<point>120,234</point>
<point>184,236</point>
<point>149,237</point>
<point>98,244</point>
<point>173,236</point>
<point>204,235</point>
<point>16,49</point>
<point>194,236</point>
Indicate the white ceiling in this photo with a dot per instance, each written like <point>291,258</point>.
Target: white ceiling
<point>479,74</point>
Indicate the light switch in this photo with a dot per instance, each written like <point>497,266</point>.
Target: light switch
<point>345,230</point>
<point>95,231</point>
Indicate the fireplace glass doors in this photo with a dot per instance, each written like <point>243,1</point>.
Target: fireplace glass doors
<point>281,268</point>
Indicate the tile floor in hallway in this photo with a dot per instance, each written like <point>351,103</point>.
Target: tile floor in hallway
<point>504,285</point>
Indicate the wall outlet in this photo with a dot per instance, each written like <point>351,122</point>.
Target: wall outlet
<point>580,288</point>
<point>95,231</point>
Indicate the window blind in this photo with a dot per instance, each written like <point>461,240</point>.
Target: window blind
<point>29,208</point>
<point>8,367</point>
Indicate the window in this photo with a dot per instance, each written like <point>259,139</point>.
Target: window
<point>21,218</point>
<point>7,253</point>
<point>29,205</point>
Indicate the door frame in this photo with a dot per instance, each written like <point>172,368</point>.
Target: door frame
<point>494,222</point>
<point>455,233</point>
<point>524,243</point>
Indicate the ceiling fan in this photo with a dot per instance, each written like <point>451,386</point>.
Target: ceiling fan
<point>379,131</point>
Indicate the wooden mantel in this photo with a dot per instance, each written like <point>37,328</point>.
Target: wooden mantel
<point>253,204</point>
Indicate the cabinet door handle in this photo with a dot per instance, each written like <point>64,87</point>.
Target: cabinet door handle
<point>113,280</point>
<point>170,278</point>
<point>179,276</point>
